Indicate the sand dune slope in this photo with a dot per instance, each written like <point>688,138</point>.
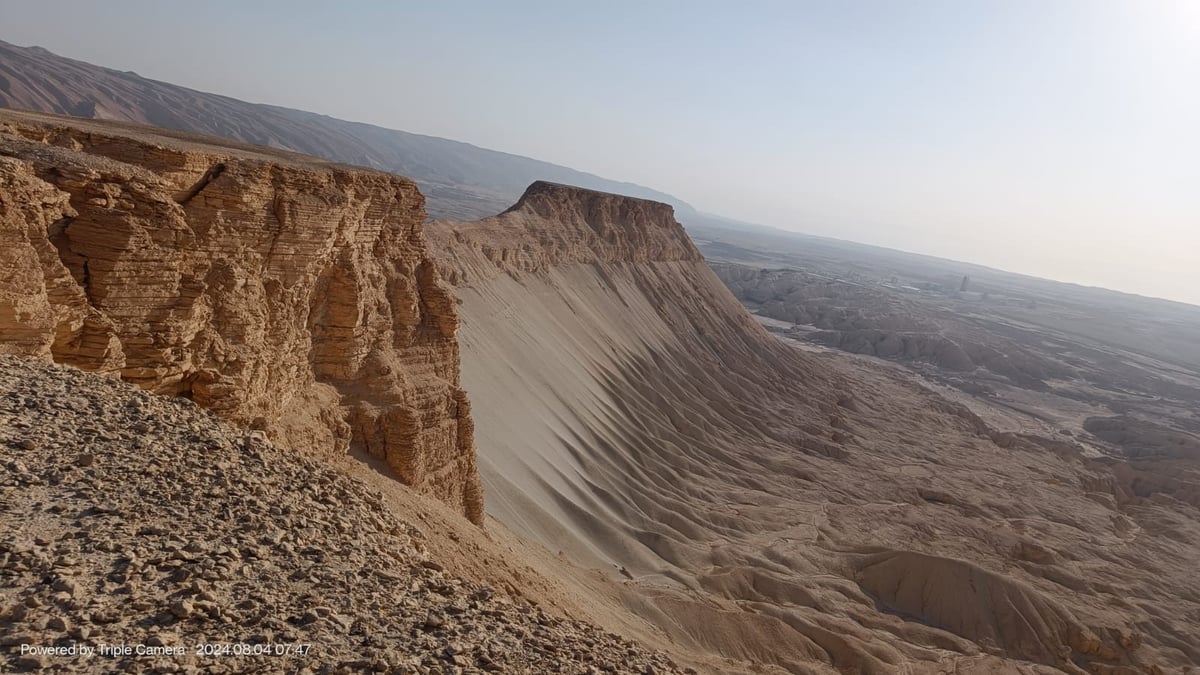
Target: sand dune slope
<point>777,507</point>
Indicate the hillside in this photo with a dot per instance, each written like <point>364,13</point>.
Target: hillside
<point>132,520</point>
<point>459,180</point>
<point>802,512</point>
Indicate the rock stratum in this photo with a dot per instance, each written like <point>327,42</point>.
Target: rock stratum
<point>286,294</point>
<point>798,512</point>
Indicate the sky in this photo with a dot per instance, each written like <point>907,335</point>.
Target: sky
<point>1059,138</point>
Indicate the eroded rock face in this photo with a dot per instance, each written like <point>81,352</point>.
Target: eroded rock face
<point>556,224</point>
<point>43,311</point>
<point>285,294</point>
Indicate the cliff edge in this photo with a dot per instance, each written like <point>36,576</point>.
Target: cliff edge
<point>555,224</point>
<point>286,294</point>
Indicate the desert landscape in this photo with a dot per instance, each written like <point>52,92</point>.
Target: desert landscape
<point>287,402</point>
<point>1119,375</point>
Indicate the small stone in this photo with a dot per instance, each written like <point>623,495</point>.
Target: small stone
<point>434,620</point>
<point>105,615</point>
<point>342,620</point>
<point>161,640</point>
<point>31,662</point>
<point>17,613</point>
<point>210,608</point>
<point>59,624</point>
<point>182,609</point>
<point>16,639</point>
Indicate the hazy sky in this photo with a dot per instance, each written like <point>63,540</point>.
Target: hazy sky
<point>1053,137</point>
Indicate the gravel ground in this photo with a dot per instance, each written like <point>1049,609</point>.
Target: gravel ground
<point>129,521</point>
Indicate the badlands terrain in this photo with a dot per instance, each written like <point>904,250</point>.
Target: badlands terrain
<point>1119,375</point>
<point>564,403</point>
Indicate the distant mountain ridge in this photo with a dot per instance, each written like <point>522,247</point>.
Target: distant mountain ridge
<point>459,180</point>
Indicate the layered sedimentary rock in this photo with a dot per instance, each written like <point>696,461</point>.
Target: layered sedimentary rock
<point>43,311</point>
<point>555,224</point>
<point>285,294</point>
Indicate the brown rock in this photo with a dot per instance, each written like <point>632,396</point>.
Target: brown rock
<point>268,287</point>
<point>31,662</point>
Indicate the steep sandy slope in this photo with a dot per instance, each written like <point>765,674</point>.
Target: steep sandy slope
<point>784,508</point>
<point>284,293</point>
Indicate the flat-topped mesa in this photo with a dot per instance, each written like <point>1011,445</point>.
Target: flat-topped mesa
<point>284,293</point>
<point>559,228</point>
<point>553,224</point>
<point>627,229</point>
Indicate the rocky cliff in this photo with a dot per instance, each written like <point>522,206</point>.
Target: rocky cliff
<point>556,224</point>
<point>286,294</point>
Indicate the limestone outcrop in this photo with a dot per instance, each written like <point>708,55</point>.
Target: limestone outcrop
<point>285,294</point>
<point>43,311</point>
<point>556,224</point>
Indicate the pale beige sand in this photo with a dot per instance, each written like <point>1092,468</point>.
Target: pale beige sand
<point>810,512</point>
